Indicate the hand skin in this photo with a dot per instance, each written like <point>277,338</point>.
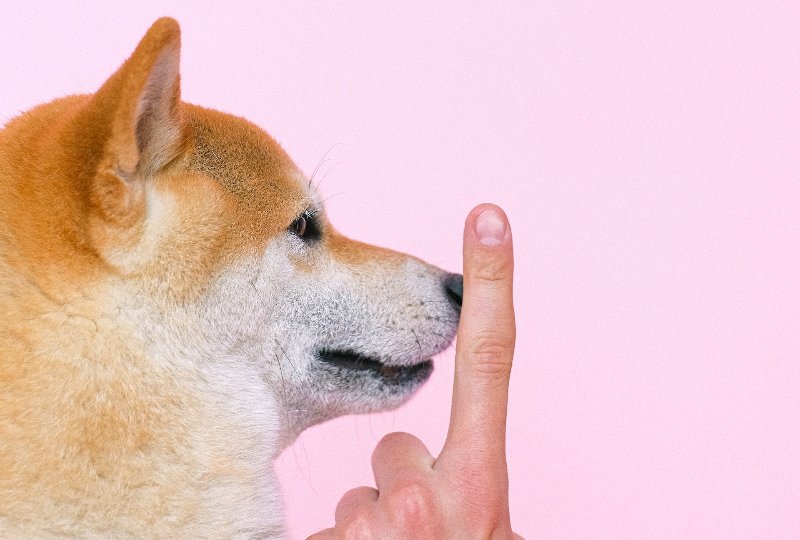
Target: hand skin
<point>464,492</point>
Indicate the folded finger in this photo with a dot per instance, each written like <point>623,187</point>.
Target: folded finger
<point>399,457</point>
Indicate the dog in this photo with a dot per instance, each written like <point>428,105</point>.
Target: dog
<point>175,308</point>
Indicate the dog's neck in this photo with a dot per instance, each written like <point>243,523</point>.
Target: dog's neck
<point>200,432</point>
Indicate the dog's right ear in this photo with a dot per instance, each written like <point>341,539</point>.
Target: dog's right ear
<point>135,122</point>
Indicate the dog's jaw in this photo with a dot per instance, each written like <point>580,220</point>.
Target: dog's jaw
<point>291,323</point>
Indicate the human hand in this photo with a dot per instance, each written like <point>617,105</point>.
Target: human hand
<point>464,492</point>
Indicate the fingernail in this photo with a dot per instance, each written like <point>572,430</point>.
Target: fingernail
<point>490,227</point>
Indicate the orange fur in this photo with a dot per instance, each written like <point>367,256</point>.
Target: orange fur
<point>78,397</point>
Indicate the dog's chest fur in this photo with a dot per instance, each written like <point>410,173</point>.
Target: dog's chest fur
<point>121,426</point>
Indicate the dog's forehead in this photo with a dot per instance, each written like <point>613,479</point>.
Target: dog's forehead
<point>245,160</point>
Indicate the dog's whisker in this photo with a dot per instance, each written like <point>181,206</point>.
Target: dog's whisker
<point>324,176</point>
<point>283,388</point>
<point>316,169</point>
<point>329,198</point>
<point>418,343</point>
<point>287,357</point>
<point>321,161</point>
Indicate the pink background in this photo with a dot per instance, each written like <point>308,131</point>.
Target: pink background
<point>649,160</point>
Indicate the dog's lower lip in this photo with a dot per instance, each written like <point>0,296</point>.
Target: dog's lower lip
<point>357,362</point>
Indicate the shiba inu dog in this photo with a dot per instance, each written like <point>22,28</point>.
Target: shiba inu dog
<point>175,309</point>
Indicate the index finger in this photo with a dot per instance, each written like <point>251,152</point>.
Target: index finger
<point>485,346</point>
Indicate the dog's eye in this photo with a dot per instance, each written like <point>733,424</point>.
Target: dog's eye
<point>299,226</point>
<point>306,226</point>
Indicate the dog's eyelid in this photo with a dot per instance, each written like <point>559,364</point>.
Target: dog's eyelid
<point>307,226</point>
<point>310,214</point>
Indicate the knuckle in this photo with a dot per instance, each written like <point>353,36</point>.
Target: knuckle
<point>412,505</point>
<point>491,270</point>
<point>350,501</point>
<point>358,525</point>
<point>490,352</point>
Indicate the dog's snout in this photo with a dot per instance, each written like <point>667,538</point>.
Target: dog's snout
<point>454,287</point>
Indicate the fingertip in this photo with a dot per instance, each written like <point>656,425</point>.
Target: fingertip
<point>488,246</point>
<point>487,224</point>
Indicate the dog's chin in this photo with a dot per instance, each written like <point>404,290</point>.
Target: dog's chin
<point>368,384</point>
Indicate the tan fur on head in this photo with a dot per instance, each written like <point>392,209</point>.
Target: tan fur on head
<point>165,330</point>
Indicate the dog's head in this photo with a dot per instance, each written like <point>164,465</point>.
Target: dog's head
<point>199,220</point>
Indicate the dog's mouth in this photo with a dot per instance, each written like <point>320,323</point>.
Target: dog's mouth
<point>390,373</point>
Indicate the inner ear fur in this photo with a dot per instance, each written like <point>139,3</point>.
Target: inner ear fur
<point>137,120</point>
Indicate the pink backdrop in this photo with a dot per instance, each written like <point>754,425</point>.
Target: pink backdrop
<point>649,160</point>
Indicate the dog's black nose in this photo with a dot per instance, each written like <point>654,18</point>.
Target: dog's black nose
<point>454,287</point>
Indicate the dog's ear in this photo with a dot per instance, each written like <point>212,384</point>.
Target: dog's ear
<point>142,101</point>
<point>135,120</point>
